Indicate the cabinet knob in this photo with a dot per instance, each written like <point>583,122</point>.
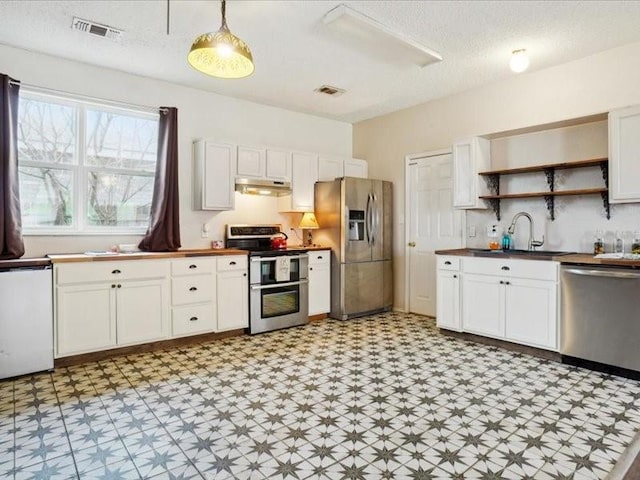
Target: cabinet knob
<point>113,285</point>
<point>310,268</point>
<point>232,263</point>
<point>501,282</point>
<point>119,286</point>
<point>193,289</point>
<point>193,266</point>
<point>447,262</point>
<point>244,274</point>
<point>507,283</point>
<point>193,319</point>
<point>116,271</point>
<point>411,244</point>
<point>455,276</point>
<point>505,268</point>
<point>319,257</point>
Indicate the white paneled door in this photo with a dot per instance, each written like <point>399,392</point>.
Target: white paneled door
<point>432,224</point>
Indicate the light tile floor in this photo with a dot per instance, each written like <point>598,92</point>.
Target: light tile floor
<point>385,396</point>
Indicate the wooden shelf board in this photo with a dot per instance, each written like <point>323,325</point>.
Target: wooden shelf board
<point>593,162</point>
<point>584,191</point>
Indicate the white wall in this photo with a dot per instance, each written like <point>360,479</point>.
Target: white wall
<point>201,115</point>
<point>585,87</point>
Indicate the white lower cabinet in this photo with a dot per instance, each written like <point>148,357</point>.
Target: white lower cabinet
<point>142,309</point>
<point>319,282</point>
<point>232,293</point>
<point>515,300</point>
<point>448,294</point>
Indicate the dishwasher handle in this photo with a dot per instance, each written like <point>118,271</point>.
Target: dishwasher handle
<point>603,273</point>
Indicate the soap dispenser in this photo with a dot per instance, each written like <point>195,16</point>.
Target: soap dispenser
<point>494,238</point>
<point>506,241</point>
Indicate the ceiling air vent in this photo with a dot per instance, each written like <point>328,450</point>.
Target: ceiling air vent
<point>96,28</point>
<point>329,90</point>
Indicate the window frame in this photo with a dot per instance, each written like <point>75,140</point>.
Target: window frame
<point>80,169</point>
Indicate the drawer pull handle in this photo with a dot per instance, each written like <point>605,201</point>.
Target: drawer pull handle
<point>447,262</point>
<point>193,289</point>
<point>505,268</point>
<point>319,257</point>
<point>193,319</point>
<point>193,266</point>
<point>116,271</point>
<point>232,263</point>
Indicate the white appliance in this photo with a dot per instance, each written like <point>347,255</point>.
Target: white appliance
<point>26,320</point>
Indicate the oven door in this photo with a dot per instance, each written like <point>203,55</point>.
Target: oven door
<point>279,306</point>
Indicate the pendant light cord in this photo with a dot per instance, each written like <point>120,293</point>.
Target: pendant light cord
<point>168,16</point>
<point>223,9</point>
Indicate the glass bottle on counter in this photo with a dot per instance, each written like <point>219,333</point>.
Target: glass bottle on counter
<point>618,243</point>
<point>598,243</point>
<point>635,245</point>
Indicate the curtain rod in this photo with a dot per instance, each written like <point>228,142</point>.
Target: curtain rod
<point>88,98</point>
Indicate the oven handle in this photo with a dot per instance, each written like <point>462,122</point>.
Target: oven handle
<point>277,285</point>
<point>273,259</point>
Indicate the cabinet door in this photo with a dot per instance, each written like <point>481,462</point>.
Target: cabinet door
<point>250,162</point>
<point>483,305</point>
<point>214,178</point>
<point>448,300</point>
<point>142,311</point>
<point>319,288</point>
<point>624,155</point>
<point>530,312</point>
<point>233,300</point>
<point>278,165</point>
<point>330,168</point>
<point>85,318</point>
<point>304,175</point>
<point>354,167</point>
<point>470,156</point>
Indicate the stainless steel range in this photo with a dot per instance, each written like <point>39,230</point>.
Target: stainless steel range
<point>278,278</point>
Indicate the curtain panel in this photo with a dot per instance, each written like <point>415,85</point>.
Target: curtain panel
<point>11,243</point>
<point>163,233</point>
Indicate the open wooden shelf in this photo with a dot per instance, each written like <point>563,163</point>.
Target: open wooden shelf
<point>493,181</point>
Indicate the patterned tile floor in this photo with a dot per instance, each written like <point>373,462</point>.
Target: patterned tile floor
<point>381,397</point>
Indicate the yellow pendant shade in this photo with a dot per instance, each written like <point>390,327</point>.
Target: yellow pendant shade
<point>221,54</point>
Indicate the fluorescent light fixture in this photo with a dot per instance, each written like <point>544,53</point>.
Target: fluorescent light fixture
<point>377,38</point>
<point>519,61</point>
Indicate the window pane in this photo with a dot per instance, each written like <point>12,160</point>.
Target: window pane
<point>46,131</point>
<point>121,141</point>
<point>118,200</point>
<point>45,197</point>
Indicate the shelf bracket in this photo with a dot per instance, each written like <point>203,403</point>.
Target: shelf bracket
<point>494,203</point>
<point>493,182</point>
<point>551,203</point>
<point>605,203</point>
<point>604,168</point>
<point>550,173</point>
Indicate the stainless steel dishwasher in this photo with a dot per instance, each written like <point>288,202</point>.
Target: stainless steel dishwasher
<point>600,318</point>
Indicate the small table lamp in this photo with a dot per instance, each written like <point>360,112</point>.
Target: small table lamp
<point>309,223</point>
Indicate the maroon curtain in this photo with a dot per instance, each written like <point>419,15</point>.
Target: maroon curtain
<point>164,226</point>
<point>11,244</point>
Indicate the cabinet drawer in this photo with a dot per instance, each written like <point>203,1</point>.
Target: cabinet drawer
<point>533,269</point>
<point>447,262</point>
<point>320,257</point>
<point>232,262</point>
<point>193,266</point>
<point>101,271</point>
<point>193,319</point>
<point>192,289</point>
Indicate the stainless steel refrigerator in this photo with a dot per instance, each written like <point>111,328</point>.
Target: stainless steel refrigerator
<point>354,215</point>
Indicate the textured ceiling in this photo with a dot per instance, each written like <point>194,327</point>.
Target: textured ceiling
<point>295,52</point>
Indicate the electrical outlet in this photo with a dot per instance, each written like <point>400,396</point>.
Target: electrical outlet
<point>205,230</point>
<point>472,231</point>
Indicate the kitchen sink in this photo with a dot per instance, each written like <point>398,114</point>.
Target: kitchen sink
<point>505,253</point>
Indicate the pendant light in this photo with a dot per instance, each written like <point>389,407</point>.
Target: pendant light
<point>519,61</point>
<point>221,54</point>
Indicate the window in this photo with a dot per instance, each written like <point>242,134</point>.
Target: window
<point>83,167</point>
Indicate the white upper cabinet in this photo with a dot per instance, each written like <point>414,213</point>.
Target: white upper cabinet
<point>278,165</point>
<point>304,174</point>
<point>214,175</point>
<point>624,155</point>
<point>470,156</point>
<point>250,162</point>
<point>330,168</point>
<point>354,167</point>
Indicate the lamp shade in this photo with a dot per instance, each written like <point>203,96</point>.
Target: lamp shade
<point>309,221</point>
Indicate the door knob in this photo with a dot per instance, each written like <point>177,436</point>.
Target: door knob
<point>412,244</point>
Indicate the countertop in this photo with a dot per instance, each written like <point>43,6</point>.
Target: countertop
<point>84,257</point>
<point>24,262</point>
<point>564,258</point>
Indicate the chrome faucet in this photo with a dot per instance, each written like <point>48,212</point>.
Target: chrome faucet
<point>512,228</point>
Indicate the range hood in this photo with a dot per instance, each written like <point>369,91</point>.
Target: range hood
<point>252,186</point>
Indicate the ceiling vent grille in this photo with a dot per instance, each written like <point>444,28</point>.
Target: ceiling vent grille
<point>97,29</point>
<point>329,90</point>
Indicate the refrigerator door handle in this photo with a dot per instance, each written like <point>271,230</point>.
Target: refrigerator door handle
<point>375,218</point>
<point>367,217</point>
